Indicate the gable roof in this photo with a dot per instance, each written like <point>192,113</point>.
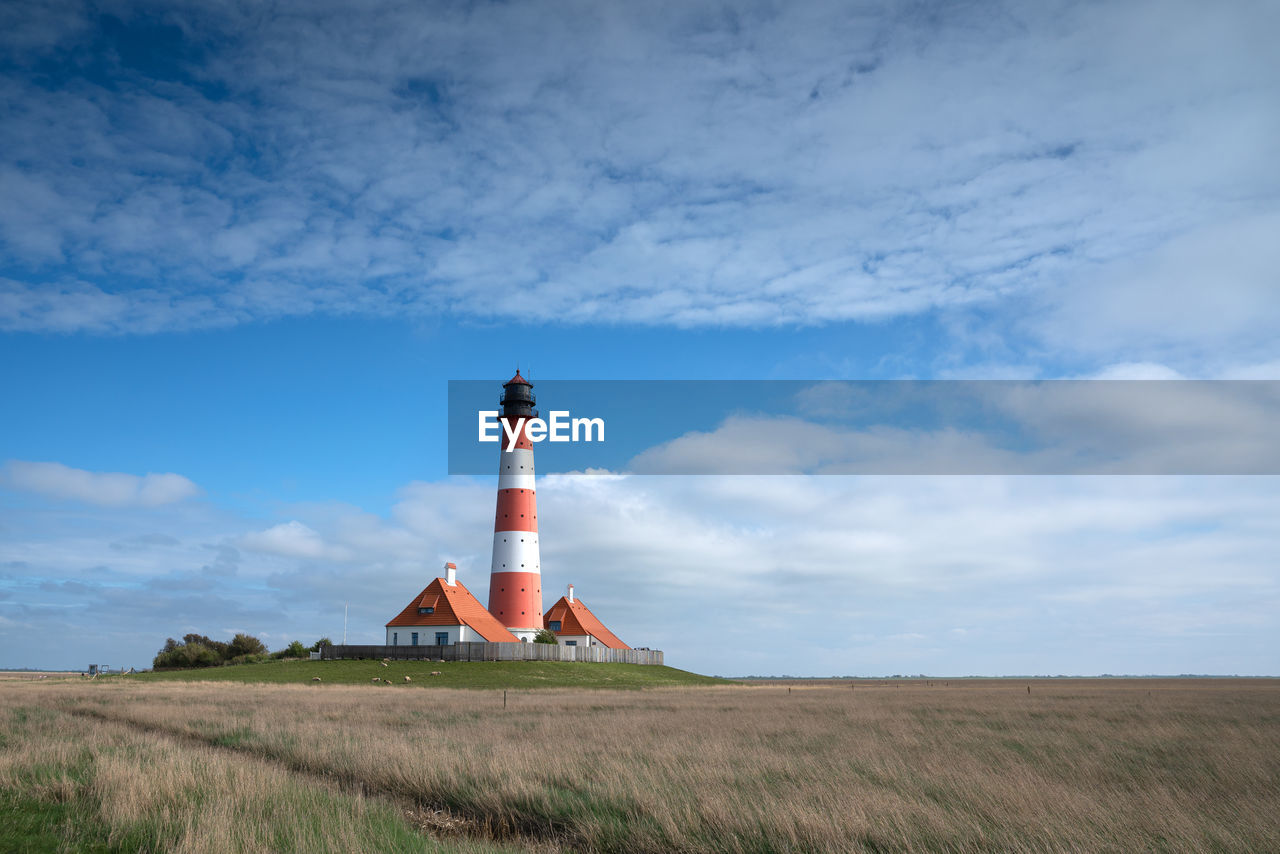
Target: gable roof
<point>452,606</point>
<point>577,619</point>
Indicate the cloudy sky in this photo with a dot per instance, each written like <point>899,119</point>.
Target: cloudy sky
<point>244,248</point>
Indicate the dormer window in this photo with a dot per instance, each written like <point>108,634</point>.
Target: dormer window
<point>555,625</point>
<point>426,610</point>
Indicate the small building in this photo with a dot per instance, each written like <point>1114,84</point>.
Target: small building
<point>445,613</point>
<point>573,624</point>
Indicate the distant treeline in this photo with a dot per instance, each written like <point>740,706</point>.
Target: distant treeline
<point>201,651</point>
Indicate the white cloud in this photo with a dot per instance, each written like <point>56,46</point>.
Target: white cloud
<point>1259,371</point>
<point>1075,427</point>
<point>1097,178</point>
<point>106,489</point>
<point>786,445</point>
<point>288,539</point>
<point>1137,371</point>
<point>1205,290</point>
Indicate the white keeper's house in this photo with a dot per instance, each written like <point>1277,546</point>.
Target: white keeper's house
<point>444,613</point>
<point>575,625</point>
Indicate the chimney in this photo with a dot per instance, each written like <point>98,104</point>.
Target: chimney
<point>450,574</point>
<point>570,592</point>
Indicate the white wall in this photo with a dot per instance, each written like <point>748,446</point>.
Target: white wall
<point>427,634</point>
<point>583,640</point>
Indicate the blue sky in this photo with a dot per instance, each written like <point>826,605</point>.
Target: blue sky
<point>244,249</point>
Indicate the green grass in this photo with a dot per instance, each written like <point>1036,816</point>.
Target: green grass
<point>64,781</point>
<point>33,825</point>
<point>453,674</point>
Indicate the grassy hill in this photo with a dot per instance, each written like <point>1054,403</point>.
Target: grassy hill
<point>453,674</point>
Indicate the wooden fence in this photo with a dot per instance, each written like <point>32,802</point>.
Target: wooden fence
<point>495,652</point>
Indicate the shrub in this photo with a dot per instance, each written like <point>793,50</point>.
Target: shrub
<point>545,636</point>
<point>186,655</point>
<point>315,647</point>
<point>219,648</point>
<point>293,650</point>
<point>243,644</point>
<point>200,651</point>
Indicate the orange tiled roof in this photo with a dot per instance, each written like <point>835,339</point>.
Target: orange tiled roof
<point>577,619</point>
<point>454,606</point>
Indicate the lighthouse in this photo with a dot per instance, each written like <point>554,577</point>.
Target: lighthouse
<point>515,576</point>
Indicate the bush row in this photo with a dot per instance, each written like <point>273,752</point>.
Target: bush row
<point>200,651</point>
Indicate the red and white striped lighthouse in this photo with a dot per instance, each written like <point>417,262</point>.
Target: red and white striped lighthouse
<point>515,577</point>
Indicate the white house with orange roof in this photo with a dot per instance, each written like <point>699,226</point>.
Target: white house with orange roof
<point>445,613</point>
<point>573,624</point>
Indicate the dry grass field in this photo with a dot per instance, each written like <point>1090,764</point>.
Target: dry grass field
<point>36,675</point>
<point>1074,765</point>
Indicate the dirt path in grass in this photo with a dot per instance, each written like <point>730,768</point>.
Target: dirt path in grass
<point>432,819</point>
